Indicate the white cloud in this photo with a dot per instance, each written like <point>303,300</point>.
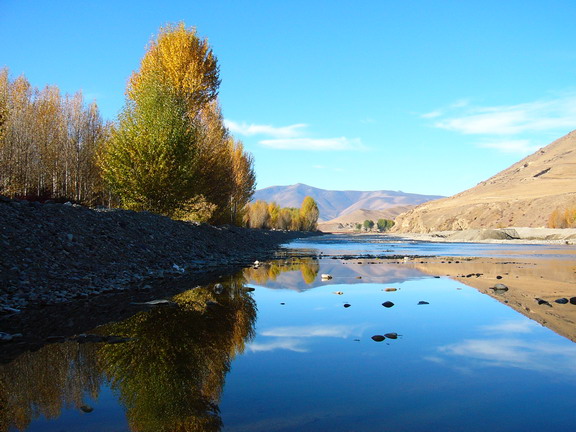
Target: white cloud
<point>538,116</point>
<point>510,146</point>
<point>432,114</point>
<point>314,144</point>
<point>245,129</point>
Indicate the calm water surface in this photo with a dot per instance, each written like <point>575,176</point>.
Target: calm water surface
<point>289,356</point>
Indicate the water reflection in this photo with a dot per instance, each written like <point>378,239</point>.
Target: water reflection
<point>301,274</point>
<point>169,374</point>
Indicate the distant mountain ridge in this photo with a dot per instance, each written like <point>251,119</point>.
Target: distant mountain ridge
<point>333,203</point>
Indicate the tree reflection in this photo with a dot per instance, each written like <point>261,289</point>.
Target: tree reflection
<point>169,374</point>
<point>43,383</point>
<point>270,271</point>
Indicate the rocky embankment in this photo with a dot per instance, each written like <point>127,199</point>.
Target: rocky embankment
<point>56,253</point>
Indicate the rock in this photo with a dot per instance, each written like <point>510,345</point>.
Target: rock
<point>87,409</point>
<point>562,300</point>
<point>573,300</point>
<point>499,287</point>
<point>347,305</point>
<point>156,303</point>
<point>542,302</point>
<point>422,302</point>
<point>387,304</point>
<point>326,276</point>
<point>282,303</point>
<point>218,288</point>
<point>378,338</point>
<point>391,335</point>
<point>498,277</point>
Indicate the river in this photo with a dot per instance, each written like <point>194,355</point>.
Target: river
<point>402,336</point>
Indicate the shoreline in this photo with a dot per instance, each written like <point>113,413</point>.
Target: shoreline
<point>513,235</point>
<point>58,253</point>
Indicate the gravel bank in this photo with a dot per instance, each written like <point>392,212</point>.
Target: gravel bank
<point>57,253</point>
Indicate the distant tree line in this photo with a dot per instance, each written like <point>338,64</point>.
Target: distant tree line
<point>169,152</point>
<point>563,218</point>
<point>382,225</point>
<point>261,214</point>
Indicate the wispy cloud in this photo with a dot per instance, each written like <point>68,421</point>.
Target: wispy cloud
<point>293,137</point>
<point>538,116</point>
<point>432,114</point>
<point>522,146</point>
<point>269,130</point>
<point>314,144</point>
<point>508,128</point>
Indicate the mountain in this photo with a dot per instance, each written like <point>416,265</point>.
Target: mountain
<point>334,204</point>
<point>522,195</point>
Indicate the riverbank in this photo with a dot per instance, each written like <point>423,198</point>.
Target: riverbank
<point>57,253</point>
<point>515,235</point>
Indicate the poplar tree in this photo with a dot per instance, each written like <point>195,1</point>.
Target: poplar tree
<point>309,214</point>
<point>149,161</point>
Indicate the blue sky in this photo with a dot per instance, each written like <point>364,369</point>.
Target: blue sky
<point>421,96</point>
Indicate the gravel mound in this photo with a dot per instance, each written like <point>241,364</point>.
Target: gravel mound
<point>54,253</point>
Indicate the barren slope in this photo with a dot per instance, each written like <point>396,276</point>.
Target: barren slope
<point>523,195</point>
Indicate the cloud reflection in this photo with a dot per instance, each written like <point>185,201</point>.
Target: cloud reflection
<point>338,331</point>
<point>516,353</point>
<point>275,344</point>
<point>296,338</point>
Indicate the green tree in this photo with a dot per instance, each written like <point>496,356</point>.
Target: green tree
<point>149,162</point>
<point>368,224</point>
<point>309,214</point>
<point>384,224</point>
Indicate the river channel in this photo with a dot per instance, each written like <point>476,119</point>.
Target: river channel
<point>401,336</point>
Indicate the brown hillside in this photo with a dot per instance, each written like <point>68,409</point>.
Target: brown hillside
<point>523,195</point>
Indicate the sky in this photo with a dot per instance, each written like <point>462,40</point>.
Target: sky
<point>427,97</point>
